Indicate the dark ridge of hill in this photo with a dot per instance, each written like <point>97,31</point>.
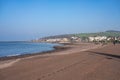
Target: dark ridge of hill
<point>112,31</point>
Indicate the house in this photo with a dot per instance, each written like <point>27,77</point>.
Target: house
<point>75,39</point>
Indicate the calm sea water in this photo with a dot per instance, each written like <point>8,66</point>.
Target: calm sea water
<point>20,48</point>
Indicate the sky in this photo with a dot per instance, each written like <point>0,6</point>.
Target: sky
<point>32,19</point>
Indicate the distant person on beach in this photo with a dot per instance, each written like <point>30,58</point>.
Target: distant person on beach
<point>114,42</point>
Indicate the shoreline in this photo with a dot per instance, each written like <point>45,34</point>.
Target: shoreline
<point>56,49</point>
<point>65,46</point>
<point>10,60</point>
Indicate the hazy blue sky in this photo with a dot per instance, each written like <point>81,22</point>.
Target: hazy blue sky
<point>30,19</point>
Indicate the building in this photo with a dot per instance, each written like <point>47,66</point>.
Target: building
<point>97,38</point>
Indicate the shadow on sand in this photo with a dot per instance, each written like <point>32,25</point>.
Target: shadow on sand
<point>106,54</point>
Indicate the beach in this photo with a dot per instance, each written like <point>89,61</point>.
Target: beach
<point>83,61</point>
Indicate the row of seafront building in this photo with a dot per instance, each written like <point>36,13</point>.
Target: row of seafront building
<point>77,39</point>
<point>103,38</point>
<point>53,40</point>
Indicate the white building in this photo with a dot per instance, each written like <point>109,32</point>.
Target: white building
<point>97,38</point>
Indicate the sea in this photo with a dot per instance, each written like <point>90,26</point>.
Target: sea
<point>20,48</point>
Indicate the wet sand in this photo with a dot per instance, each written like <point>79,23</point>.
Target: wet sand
<point>80,62</point>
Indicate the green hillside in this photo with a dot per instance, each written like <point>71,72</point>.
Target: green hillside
<point>107,33</point>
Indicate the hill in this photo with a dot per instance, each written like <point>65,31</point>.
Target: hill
<point>109,33</point>
<point>112,31</point>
